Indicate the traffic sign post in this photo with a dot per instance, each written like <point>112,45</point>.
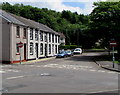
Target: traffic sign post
<point>113,44</point>
<point>20,45</point>
<point>113,57</point>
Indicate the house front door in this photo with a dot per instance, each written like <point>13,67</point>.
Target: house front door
<point>24,51</point>
<point>45,50</point>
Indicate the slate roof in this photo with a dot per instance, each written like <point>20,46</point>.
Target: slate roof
<point>61,35</point>
<point>52,31</point>
<point>10,18</point>
<point>26,22</point>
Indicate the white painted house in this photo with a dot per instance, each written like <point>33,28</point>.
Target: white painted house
<point>62,38</point>
<point>38,40</point>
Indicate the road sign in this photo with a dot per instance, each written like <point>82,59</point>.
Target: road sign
<point>113,43</point>
<point>20,45</point>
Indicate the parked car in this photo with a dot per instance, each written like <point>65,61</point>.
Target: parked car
<point>69,53</point>
<point>77,51</point>
<point>62,54</point>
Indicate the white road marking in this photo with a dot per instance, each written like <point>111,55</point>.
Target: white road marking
<point>75,67</point>
<point>93,70</point>
<point>112,72</point>
<point>15,77</point>
<point>101,71</point>
<point>2,71</point>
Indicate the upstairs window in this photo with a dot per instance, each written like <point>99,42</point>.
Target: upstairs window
<point>31,33</point>
<point>49,37</point>
<point>56,39</point>
<point>18,31</point>
<point>41,36</point>
<point>36,35</point>
<point>45,37</point>
<point>53,38</point>
<point>24,33</point>
<point>61,38</point>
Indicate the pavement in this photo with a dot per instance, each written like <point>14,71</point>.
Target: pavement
<point>109,65</point>
<point>37,60</point>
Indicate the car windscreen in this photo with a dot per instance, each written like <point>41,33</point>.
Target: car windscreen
<point>68,51</point>
<point>77,49</point>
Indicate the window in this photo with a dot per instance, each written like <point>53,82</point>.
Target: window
<point>49,48</point>
<point>53,38</point>
<point>41,49</point>
<point>61,38</point>
<point>31,48</point>
<point>31,34</point>
<point>45,37</point>
<point>49,37</point>
<point>41,36</point>
<point>56,39</point>
<point>17,48</point>
<point>36,35</point>
<point>18,31</point>
<point>53,48</point>
<point>24,33</point>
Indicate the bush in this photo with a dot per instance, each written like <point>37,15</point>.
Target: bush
<point>118,60</point>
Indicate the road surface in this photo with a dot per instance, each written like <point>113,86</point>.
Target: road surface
<point>77,74</point>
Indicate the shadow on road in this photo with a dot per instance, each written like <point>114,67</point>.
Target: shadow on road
<point>86,58</point>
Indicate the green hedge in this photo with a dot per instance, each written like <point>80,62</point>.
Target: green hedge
<point>118,60</point>
<point>69,47</point>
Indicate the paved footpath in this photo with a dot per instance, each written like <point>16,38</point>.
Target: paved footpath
<point>109,65</point>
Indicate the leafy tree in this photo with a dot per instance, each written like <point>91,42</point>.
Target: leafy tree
<point>73,25</point>
<point>105,21</point>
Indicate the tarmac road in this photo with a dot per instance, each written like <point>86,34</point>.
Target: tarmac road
<point>77,74</point>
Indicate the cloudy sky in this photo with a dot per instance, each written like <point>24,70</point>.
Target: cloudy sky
<point>79,6</point>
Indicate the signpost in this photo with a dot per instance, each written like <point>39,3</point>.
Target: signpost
<point>20,45</point>
<point>113,44</point>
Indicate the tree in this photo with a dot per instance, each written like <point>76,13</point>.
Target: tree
<point>105,21</point>
<point>73,25</point>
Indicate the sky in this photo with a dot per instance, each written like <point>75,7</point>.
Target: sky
<point>79,6</point>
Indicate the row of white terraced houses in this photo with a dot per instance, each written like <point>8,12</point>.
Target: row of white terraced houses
<point>38,40</point>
